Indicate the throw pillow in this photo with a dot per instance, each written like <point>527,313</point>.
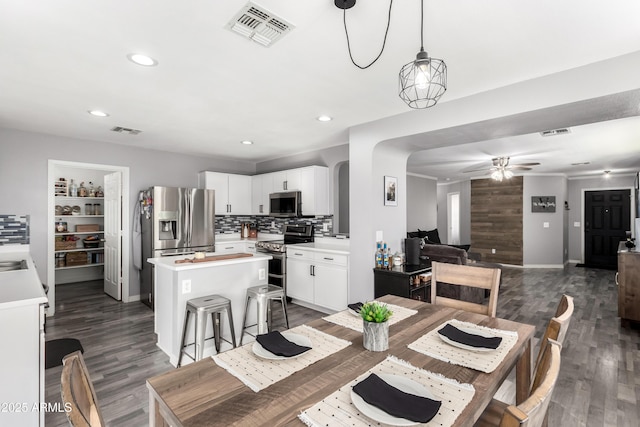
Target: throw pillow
<point>432,235</point>
<point>420,234</point>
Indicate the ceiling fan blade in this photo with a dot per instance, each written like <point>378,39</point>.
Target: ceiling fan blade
<point>518,167</point>
<point>527,164</point>
<point>478,170</point>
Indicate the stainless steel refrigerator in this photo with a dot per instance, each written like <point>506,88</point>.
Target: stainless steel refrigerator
<point>174,221</point>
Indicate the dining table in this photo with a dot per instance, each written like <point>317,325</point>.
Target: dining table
<point>205,394</point>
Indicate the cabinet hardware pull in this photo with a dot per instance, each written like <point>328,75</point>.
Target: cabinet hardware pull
<point>297,254</point>
<point>327,258</point>
<point>617,284</point>
<point>229,247</point>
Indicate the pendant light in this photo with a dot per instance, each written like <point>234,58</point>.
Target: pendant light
<point>423,81</point>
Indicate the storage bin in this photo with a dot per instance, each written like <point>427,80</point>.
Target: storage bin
<point>76,258</point>
<point>87,227</point>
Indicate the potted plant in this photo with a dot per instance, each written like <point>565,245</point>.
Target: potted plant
<point>375,325</point>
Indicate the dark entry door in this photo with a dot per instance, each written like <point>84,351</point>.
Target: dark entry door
<point>607,217</point>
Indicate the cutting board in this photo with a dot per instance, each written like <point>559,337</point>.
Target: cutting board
<point>213,258</point>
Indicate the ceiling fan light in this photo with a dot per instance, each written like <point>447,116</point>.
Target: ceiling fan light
<point>497,175</point>
<point>508,174</point>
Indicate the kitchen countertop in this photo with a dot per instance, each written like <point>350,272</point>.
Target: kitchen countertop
<point>336,246</point>
<point>169,262</point>
<point>19,287</point>
<point>235,238</point>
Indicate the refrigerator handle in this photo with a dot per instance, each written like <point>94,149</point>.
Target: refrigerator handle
<point>189,219</point>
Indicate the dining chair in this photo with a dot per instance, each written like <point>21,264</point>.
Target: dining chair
<point>78,395</point>
<point>558,325</point>
<point>466,275</point>
<point>532,412</point>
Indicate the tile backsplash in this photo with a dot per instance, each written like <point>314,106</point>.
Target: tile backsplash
<point>229,224</point>
<point>14,229</point>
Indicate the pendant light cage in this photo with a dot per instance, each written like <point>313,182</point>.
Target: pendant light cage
<point>423,81</point>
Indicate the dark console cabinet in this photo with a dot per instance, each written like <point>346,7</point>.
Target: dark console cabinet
<point>401,281</point>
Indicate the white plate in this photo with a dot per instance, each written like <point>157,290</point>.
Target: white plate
<point>469,347</point>
<point>401,383</point>
<point>260,351</point>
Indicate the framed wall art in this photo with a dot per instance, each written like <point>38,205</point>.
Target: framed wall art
<point>390,191</point>
<point>543,203</point>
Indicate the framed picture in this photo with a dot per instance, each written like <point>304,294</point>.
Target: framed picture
<point>543,203</point>
<point>390,191</point>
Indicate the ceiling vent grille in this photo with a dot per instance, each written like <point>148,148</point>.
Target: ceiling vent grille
<point>555,132</point>
<point>129,131</point>
<point>259,25</point>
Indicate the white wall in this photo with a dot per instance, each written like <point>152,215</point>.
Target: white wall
<point>422,203</point>
<point>23,177</point>
<point>543,247</point>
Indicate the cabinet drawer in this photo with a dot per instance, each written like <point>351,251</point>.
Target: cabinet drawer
<point>330,258</point>
<point>227,248</point>
<point>299,254</point>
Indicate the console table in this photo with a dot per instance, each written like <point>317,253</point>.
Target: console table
<point>400,281</point>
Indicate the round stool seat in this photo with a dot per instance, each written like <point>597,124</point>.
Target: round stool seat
<point>211,302</point>
<point>265,291</point>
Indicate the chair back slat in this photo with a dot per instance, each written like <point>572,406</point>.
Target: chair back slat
<point>78,394</point>
<point>558,325</point>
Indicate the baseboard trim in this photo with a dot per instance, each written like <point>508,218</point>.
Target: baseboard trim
<point>543,266</point>
<point>131,298</point>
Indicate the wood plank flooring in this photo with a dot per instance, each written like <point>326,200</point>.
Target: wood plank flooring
<point>599,382</point>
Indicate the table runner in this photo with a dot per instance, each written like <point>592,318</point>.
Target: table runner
<point>485,361</point>
<point>258,373</point>
<point>348,320</point>
<point>337,409</point>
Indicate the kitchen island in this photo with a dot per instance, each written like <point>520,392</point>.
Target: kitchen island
<point>176,283</point>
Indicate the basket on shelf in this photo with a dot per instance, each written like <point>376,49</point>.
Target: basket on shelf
<point>65,245</point>
<point>91,243</point>
<point>76,258</point>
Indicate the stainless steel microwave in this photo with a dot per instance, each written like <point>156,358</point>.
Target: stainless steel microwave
<point>286,204</point>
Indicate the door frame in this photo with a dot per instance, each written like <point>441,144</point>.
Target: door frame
<point>126,241</point>
<point>582,212</point>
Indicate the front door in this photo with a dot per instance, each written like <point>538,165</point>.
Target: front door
<point>113,235</point>
<point>606,219</point>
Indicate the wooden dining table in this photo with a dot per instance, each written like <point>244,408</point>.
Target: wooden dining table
<point>204,394</point>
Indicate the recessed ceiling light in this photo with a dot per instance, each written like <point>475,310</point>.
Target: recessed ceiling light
<point>98,113</point>
<point>324,118</point>
<point>246,142</point>
<point>143,60</point>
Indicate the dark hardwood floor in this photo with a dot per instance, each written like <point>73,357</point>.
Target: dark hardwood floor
<point>599,381</point>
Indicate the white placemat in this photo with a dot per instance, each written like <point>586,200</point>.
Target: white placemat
<point>337,408</point>
<point>486,361</point>
<point>348,320</point>
<point>258,373</point>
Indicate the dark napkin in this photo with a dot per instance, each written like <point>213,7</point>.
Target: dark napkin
<point>375,391</point>
<point>473,340</point>
<point>279,345</point>
<point>355,306</point>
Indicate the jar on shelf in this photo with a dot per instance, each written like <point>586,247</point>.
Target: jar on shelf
<point>73,189</point>
<point>96,209</point>
<point>88,209</point>
<point>99,192</point>
<point>92,191</point>
<point>60,260</point>
<point>82,191</point>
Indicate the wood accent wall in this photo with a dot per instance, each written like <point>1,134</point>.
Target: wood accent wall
<point>496,219</point>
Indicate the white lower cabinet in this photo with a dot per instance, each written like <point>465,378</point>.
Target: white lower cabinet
<point>319,278</point>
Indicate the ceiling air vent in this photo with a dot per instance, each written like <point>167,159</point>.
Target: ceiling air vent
<point>257,24</point>
<point>555,132</point>
<point>129,131</point>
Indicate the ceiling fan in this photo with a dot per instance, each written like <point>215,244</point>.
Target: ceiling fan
<point>501,168</point>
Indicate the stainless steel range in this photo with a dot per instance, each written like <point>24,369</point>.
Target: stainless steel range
<point>278,250</point>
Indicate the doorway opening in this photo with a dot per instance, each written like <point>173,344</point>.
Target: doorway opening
<point>453,218</point>
<point>83,244</point>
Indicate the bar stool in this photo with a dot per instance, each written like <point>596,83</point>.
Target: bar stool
<point>263,295</point>
<point>203,307</point>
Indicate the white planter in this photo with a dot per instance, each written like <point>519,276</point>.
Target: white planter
<point>375,336</point>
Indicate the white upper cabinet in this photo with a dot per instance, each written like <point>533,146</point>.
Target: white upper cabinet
<point>261,187</point>
<point>249,195</point>
<point>233,192</point>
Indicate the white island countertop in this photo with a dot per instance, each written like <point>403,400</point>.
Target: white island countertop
<point>20,287</point>
<point>169,262</point>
